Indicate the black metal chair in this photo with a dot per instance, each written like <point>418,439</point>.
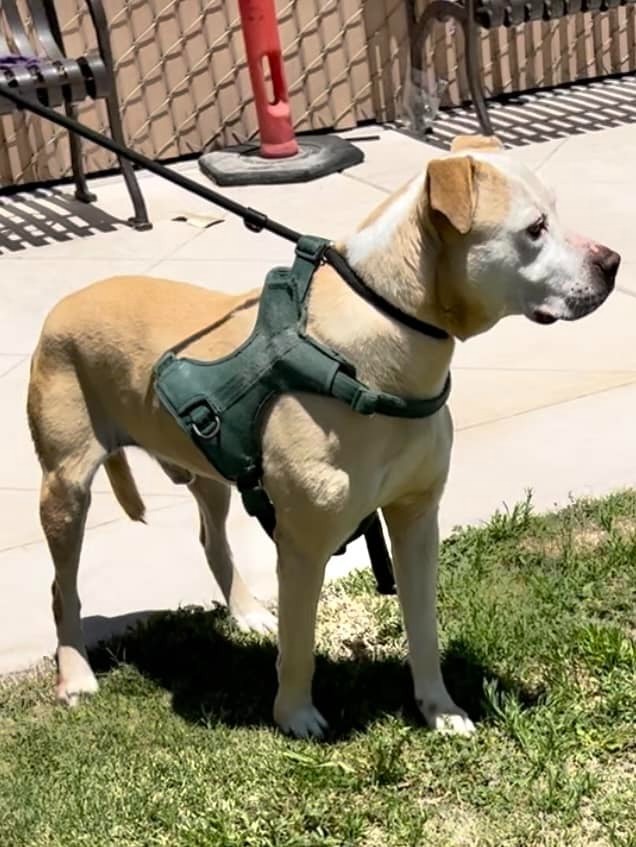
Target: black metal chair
<point>39,68</point>
<point>488,14</point>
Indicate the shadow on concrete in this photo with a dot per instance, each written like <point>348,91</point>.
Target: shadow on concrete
<point>543,115</point>
<point>101,628</point>
<point>46,216</point>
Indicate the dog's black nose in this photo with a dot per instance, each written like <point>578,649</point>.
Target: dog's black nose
<point>608,261</point>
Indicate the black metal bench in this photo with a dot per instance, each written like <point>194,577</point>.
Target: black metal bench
<point>38,67</point>
<point>473,15</point>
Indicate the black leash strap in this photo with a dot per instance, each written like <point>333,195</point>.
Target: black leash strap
<point>253,220</point>
<point>379,555</point>
<point>355,282</point>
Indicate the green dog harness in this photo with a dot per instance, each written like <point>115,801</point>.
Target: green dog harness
<point>220,404</point>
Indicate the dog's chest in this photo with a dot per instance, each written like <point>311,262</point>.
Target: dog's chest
<point>311,444</point>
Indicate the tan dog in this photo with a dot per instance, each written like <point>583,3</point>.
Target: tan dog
<point>473,239</point>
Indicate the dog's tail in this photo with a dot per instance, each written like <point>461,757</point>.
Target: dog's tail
<point>124,486</point>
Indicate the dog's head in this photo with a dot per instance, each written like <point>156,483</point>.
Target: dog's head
<point>501,247</point>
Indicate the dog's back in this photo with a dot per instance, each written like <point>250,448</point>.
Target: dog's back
<point>94,361</point>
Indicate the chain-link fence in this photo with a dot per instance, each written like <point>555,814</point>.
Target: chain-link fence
<point>513,59</point>
<point>184,86</point>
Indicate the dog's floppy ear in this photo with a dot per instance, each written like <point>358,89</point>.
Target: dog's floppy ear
<point>450,189</point>
<point>476,142</point>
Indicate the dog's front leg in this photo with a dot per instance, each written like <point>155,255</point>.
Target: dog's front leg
<point>413,527</point>
<point>300,578</point>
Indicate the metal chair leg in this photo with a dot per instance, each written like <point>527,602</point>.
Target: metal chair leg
<point>96,8</point>
<point>473,72</point>
<point>82,192</point>
<point>437,10</point>
<point>140,220</point>
<point>443,10</point>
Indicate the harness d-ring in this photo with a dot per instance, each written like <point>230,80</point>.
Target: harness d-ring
<point>208,435</point>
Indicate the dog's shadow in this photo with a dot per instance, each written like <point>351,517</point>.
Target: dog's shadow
<point>216,675</point>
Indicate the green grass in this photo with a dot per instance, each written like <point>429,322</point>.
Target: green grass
<point>538,621</point>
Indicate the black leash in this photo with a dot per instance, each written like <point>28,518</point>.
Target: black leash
<point>355,282</point>
<point>253,219</point>
<point>256,222</point>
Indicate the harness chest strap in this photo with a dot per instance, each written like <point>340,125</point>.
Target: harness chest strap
<point>220,404</point>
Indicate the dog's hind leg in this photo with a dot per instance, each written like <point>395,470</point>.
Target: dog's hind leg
<point>69,454</point>
<point>213,500</point>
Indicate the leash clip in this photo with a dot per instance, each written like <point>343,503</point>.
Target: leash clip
<point>254,220</point>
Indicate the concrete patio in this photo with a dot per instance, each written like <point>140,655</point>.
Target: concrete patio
<point>546,408</point>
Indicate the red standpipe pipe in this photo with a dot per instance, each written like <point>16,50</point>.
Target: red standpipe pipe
<point>262,42</point>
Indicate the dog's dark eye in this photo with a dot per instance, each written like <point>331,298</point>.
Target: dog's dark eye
<point>537,228</point>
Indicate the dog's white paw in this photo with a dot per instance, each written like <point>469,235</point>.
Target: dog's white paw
<point>257,619</point>
<point>70,691</point>
<point>454,725</point>
<point>304,722</point>
<point>74,675</point>
<point>442,715</point>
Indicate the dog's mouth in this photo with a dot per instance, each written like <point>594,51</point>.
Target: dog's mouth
<point>572,309</point>
<point>542,316</point>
